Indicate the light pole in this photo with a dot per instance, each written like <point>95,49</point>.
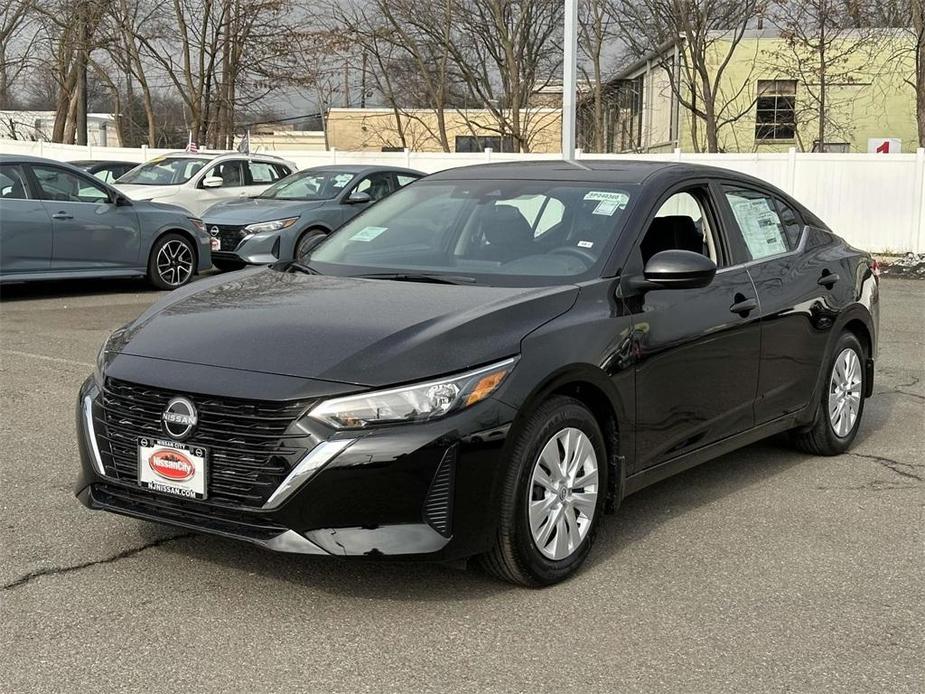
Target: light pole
<point>569,77</point>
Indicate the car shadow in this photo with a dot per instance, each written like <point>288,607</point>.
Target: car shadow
<point>57,289</point>
<point>638,516</point>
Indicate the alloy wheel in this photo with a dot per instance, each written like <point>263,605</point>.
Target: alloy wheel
<point>174,262</point>
<point>562,497</point>
<point>845,392</point>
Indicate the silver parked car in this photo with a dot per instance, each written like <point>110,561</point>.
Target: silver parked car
<point>58,222</point>
<point>286,219</point>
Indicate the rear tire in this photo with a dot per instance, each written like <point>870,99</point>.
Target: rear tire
<point>172,262</point>
<point>841,402</point>
<point>549,514</point>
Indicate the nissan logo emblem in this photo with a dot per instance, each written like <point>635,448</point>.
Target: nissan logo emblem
<point>179,418</point>
<point>214,231</point>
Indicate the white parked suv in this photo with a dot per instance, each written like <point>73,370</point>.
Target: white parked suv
<point>198,181</point>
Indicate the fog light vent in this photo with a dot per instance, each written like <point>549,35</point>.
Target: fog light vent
<point>438,505</point>
<point>275,250</point>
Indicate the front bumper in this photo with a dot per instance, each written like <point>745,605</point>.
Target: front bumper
<point>264,248</point>
<point>422,490</point>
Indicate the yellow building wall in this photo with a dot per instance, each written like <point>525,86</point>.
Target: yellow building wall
<point>356,129</point>
<point>873,102</point>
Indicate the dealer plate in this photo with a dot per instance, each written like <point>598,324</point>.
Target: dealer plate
<point>172,467</point>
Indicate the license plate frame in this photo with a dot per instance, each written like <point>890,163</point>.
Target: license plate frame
<point>163,464</point>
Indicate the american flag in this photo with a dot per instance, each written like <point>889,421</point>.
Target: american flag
<point>190,145</point>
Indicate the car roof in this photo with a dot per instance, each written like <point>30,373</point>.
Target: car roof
<point>625,171</point>
<point>100,162</point>
<point>362,169</point>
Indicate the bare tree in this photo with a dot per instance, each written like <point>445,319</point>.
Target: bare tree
<point>707,33</point>
<point>826,50</point>
<point>595,31</point>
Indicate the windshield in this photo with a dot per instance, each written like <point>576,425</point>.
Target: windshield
<point>491,232</point>
<point>166,171</point>
<point>309,185</point>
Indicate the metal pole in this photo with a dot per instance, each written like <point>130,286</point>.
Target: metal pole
<point>569,77</point>
<point>84,59</point>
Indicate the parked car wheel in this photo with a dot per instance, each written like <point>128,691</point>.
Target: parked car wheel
<point>172,262</point>
<point>306,242</point>
<point>553,496</point>
<point>841,402</point>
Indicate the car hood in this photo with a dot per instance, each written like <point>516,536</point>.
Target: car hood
<point>347,330</point>
<point>146,192</point>
<point>252,210</point>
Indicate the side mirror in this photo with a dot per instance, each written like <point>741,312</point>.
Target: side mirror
<point>213,182</point>
<point>676,269</point>
<point>122,201</point>
<point>356,198</point>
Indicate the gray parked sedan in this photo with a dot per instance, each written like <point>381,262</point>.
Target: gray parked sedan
<point>283,222</point>
<point>58,222</point>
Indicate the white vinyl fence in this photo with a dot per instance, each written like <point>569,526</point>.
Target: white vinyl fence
<point>875,201</point>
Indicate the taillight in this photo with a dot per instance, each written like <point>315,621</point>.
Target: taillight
<point>874,267</point>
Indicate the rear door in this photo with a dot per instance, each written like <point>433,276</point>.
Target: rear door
<point>89,229</point>
<point>25,227</point>
<point>697,349</point>
<point>795,282</point>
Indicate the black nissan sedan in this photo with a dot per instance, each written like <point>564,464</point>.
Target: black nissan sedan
<point>485,364</point>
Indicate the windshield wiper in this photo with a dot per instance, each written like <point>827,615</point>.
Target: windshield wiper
<point>419,277</point>
<point>301,267</point>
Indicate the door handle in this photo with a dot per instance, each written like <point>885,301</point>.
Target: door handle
<point>62,215</point>
<point>828,279</point>
<point>743,306</point>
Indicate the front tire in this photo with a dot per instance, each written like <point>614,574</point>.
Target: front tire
<point>841,403</point>
<point>552,498</point>
<point>172,262</point>
<point>304,243</point>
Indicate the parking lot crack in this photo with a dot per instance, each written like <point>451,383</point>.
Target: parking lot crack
<point>902,469</point>
<point>58,570</point>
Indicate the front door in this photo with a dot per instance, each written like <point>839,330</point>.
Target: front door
<point>90,230</point>
<point>697,350</point>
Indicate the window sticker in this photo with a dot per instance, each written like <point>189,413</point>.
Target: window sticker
<point>586,244</point>
<point>606,208</point>
<point>760,226</point>
<point>618,199</point>
<point>340,180</point>
<point>367,233</point>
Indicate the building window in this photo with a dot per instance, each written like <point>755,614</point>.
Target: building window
<point>775,118</point>
<point>472,143</point>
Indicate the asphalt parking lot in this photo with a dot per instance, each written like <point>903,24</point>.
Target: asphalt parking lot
<point>765,571</point>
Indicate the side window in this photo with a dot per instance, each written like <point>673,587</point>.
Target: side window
<point>105,175</point>
<point>230,173</point>
<point>262,173</point>
<point>757,219</point>
<point>681,223</point>
<point>404,179</point>
<point>281,171</point>
<point>13,182</point>
<point>375,185</point>
<point>793,225</point>
<point>65,186</point>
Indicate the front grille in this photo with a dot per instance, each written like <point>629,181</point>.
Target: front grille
<point>250,452</point>
<point>135,502</point>
<point>229,236</point>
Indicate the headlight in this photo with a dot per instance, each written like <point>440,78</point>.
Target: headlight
<point>417,403</point>
<point>275,225</point>
<point>198,223</point>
